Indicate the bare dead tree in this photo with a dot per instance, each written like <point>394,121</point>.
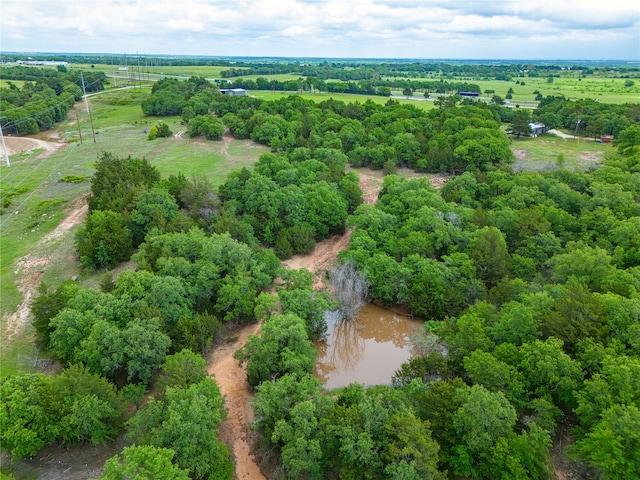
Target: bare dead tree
<point>349,289</point>
<point>34,362</point>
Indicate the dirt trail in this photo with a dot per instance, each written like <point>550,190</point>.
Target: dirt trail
<point>325,253</point>
<point>16,145</point>
<point>29,269</point>
<point>226,141</point>
<point>231,379</point>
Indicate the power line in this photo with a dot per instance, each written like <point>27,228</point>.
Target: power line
<point>46,180</point>
<point>68,87</point>
<point>21,120</point>
<point>88,108</point>
<point>4,146</point>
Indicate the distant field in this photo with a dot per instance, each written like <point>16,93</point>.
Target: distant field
<point>200,71</point>
<point>606,90</point>
<point>5,83</point>
<point>282,77</point>
<point>345,97</point>
<point>150,72</point>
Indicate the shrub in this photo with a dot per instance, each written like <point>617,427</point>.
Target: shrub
<point>163,130</point>
<point>153,133</point>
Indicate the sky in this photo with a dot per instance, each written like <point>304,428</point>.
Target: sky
<point>427,29</point>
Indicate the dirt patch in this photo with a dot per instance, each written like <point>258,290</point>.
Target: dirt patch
<point>79,209</point>
<point>370,184</point>
<point>560,134</point>
<point>437,181</point>
<point>322,258</point>
<point>17,145</point>
<point>521,154</point>
<point>58,462</point>
<point>592,157</point>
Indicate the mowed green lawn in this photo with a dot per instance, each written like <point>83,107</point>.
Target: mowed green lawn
<point>45,200</point>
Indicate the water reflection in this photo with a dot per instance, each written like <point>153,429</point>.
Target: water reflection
<point>367,349</point>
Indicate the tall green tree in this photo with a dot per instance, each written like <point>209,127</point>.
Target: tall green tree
<point>282,347</point>
<point>613,445</point>
<point>25,424</point>
<point>520,123</point>
<point>143,463</point>
<point>488,249</point>
<point>187,421</point>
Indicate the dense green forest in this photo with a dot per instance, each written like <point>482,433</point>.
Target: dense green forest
<point>528,283</point>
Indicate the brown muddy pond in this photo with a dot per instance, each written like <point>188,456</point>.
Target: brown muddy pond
<point>368,349</point>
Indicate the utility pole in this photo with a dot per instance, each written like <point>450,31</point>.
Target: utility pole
<point>78,122</point>
<point>113,69</point>
<point>6,154</point>
<point>86,102</point>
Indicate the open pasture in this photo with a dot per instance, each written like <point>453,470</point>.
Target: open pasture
<point>606,89</point>
<point>549,151</point>
<point>4,83</point>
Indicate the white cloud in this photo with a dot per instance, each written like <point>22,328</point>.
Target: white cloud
<point>371,28</point>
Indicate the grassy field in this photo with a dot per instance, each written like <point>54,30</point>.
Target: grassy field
<point>547,152</point>
<point>155,72</point>
<point>606,90</point>
<point>345,97</point>
<point>4,83</point>
<point>45,199</point>
<point>282,77</point>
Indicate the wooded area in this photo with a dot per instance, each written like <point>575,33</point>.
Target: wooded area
<point>528,283</point>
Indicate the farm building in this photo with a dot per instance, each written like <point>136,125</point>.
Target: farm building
<point>537,128</point>
<point>233,92</point>
<point>42,63</point>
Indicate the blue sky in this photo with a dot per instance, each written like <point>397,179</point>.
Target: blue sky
<point>490,29</point>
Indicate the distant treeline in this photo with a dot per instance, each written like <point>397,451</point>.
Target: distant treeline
<point>381,87</point>
<point>587,117</point>
<point>347,71</point>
